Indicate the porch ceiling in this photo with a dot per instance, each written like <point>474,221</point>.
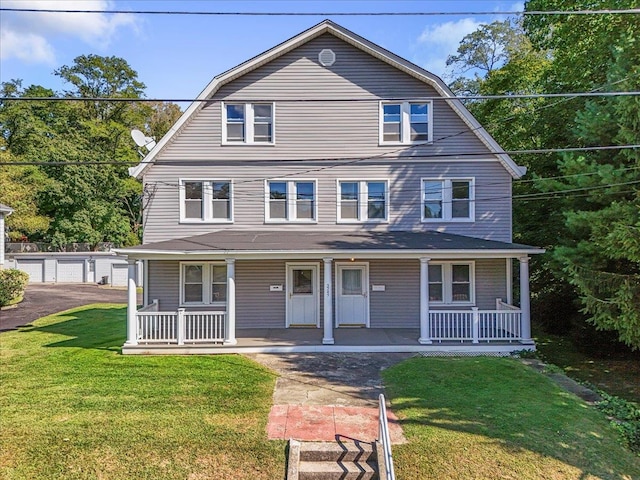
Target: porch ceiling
<point>261,244</point>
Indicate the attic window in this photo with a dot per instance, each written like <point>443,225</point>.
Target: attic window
<point>326,57</point>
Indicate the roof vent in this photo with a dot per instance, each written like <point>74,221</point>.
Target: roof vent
<point>326,57</point>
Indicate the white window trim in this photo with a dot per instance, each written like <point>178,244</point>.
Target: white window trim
<point>447,283</point>
<point>363,200</point>
<point>248,123</point>
<point>291,201</point>
<point>207,198</point>
<point>207,281</point>
<point>405,123</point>
<point>447,199</point>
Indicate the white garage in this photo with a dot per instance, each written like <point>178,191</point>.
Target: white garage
<point>35,269</point>
<point>104,268</point>
<point>119,274</point>
<point>70,271</point>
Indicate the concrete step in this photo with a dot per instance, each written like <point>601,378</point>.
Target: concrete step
<point>345,451</point>
<point>337,471</point>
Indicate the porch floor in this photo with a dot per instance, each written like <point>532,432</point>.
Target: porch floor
<point>300,340</point>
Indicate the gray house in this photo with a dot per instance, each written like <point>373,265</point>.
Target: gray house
<point>328,183</point>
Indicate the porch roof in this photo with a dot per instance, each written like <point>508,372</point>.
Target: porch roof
<point>255,244</point>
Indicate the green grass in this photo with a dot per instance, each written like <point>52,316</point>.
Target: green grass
<point>72,407</point>
<point>489,418</point>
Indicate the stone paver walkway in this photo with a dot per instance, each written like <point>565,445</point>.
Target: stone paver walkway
<point>327,423</point>
<point>323,396</point>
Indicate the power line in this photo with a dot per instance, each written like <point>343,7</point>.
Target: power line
<point>331,14</point>
<point>632,93</point>
<point>384,156</point>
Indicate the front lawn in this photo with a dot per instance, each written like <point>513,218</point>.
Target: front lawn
<point>490,418</point>
<point>72,407</point>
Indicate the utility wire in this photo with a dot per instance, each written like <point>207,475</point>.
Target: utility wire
<point>626,11</point>
<point>383,156</point>
<point>632,93</point>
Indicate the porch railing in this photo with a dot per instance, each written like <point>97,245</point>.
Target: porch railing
<point>475,325</point>
<point>180,327</point>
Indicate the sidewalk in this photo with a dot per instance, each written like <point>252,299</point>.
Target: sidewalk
<point>322,396</point>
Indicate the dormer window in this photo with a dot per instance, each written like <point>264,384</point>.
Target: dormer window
<point>405,123</point>
<point>247,123</point>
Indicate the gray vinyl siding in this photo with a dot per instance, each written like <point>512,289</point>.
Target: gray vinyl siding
<point>164,283</point>
<point>256,306</point>
<point>491,282</point>
<point>492,193</point>
<point>332,126</point>
<point>397,307</point>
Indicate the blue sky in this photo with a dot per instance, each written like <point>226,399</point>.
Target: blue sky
<point>176,56</point>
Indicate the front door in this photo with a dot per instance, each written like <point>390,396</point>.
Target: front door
<point>303,302</point>
<point>352,299</point>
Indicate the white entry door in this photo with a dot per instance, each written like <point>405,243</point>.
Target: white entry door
<point>303,301</point>
<point>352,295</point>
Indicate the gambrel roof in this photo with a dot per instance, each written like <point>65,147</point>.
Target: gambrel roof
<point>327,26</point>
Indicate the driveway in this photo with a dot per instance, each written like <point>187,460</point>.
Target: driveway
<point>44,299</point>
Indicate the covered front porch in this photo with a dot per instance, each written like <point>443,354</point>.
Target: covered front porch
<point>502,330</point>
<point>401,305</point>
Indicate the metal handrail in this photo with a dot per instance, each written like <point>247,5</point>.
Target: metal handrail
<point>385,439</point>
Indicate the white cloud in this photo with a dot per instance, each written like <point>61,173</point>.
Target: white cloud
<point>439,41</point>
<point>26,47</point>
<point>30,36</point>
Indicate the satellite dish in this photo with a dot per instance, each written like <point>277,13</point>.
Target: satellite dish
<point>142,140</point>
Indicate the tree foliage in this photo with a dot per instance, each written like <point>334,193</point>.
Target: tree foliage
<point>483,51</point>
<point>589,216</point>
<point>66,197</point>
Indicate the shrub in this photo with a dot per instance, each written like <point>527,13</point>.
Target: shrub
<point>12,285</point>
<point>625,417</point>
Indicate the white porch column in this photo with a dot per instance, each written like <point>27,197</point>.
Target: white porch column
<point>424,301</point>
<point>525,305</point>
<point>327,338</point>
<point>230,332</point>
<point>132,337</point>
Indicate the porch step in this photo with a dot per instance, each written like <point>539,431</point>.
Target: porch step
<point>332,460</point>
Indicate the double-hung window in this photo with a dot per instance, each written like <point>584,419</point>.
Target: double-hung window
<point>290,201</point>
<point>248,123</point>
<point>451,282</point>
<point>203,283</point>
<point>207,201</point>
<point>448,199</point>
<point>362,201</point>
<point>405,122</point>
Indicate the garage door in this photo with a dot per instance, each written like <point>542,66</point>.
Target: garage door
<point>119,274</point>
<point>35,269</point>
<point>70,271</point>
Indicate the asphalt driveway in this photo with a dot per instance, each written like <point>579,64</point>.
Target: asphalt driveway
<point>44,299</point>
